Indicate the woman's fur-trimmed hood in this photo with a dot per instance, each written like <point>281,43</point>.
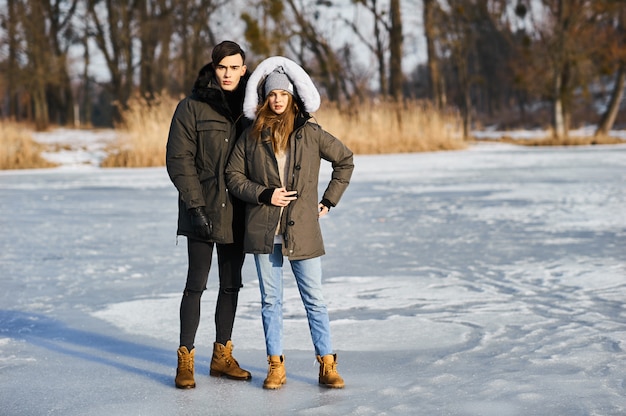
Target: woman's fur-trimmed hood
<point>305,90</point>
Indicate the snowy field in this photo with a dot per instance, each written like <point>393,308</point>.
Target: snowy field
<point>488,282</point>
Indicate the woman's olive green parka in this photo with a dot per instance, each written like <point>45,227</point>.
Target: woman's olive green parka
<point>253,168</point>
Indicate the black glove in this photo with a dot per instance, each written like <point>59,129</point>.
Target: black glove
<point>201,222</point>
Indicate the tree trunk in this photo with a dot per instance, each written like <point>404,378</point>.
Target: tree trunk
<point>162,72</point>
<point>155,34</point>
<point>433,60</point>
<point>467,114</point>
<point>128,53</point>
<point>560,79</point>
<point>39,57</point>
<point>380,52</point>
<point>558,122</point>
<point>114,40</point>
<point>40,106</point>
<point>395,51</point>
<point>610,114</point>
<point>59,15</point>
<point>466,97</point>
<point>12,65</point>
<point>85,119</point>
<point>146,51</point>
<point>60,97</point>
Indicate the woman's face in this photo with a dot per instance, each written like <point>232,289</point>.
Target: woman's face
<point>278,101</point>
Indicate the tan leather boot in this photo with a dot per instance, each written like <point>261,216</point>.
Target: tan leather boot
<point>224,364</point>
<point>184,372</point>
<point>276,375</point>
<point>329,377</point>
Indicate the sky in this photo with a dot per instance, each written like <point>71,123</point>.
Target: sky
<point>486,281</point>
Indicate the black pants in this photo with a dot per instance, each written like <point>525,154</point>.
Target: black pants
<point>230,259</point>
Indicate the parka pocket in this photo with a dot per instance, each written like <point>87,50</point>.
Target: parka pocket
<point>206,125</point>
<point>212,142</point>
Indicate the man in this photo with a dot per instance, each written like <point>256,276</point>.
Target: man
<point>202,134</point>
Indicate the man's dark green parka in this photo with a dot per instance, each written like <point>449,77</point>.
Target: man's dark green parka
<point>202,135</point>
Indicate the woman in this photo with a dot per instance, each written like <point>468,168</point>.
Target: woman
<point>275,169</point>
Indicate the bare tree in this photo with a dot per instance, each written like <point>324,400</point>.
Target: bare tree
<point>62,35</point>
<point>84,94</point>
<point>561,71</point>
<point>40,34</point>
<point>37,52</point>
<point>395,51</point>
<point>165,29</point>
<point>431,32</point>
<point>195,37</point>
<point>114,37</point>
<point>379,45</point>
<point>610,114</point>
<point>612,16</point>
<point>567,36</point>
<point>265,27</point>
<point>152,45</point>
<point>459,44</point>
<point>313,50</point>
<point>152,20</point>
<point>10,21</point>
<point>478,59</point>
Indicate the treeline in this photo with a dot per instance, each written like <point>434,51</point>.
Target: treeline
<point>496,61</point>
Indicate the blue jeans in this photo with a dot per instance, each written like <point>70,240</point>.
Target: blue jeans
<point>308,274</point>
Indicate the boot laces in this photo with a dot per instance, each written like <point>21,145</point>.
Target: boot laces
<point>186,362</point>
<point>274,366</point>
<point>228,356</point>
<point>330,368</point>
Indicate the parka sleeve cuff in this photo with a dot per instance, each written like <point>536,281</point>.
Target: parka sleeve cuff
<point>266,196</point>
<point>327,203</point>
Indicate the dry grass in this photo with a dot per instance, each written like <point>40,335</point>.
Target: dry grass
<point>387,127</point>
<point>380,128</point>
<point>143,134</point>
<point>370,128</point>
<point>565,141</point>
<point>19,150</point>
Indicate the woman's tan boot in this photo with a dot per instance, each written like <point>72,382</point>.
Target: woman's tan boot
<point>276,374</point>
<point>224,364</point>
<point>184,372</point>
<point>329,377</point>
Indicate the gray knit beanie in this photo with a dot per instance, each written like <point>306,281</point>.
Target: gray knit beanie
<point>277,80</point>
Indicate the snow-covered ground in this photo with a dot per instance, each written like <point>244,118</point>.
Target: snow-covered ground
<point>489,281</point>
<point>520,134</point>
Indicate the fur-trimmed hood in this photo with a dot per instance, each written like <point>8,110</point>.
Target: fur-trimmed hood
<point>305,91</point>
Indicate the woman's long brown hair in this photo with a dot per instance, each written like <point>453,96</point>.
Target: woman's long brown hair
<point>280,126</point>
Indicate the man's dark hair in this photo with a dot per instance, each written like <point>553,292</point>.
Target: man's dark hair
<point>224,49</point>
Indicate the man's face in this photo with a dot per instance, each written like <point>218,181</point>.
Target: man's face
<point>229,71</point>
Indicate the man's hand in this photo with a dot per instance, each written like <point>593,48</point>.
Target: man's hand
<point>201,222</point>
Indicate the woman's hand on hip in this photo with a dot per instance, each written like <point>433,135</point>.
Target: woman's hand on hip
<point>323,210</point>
